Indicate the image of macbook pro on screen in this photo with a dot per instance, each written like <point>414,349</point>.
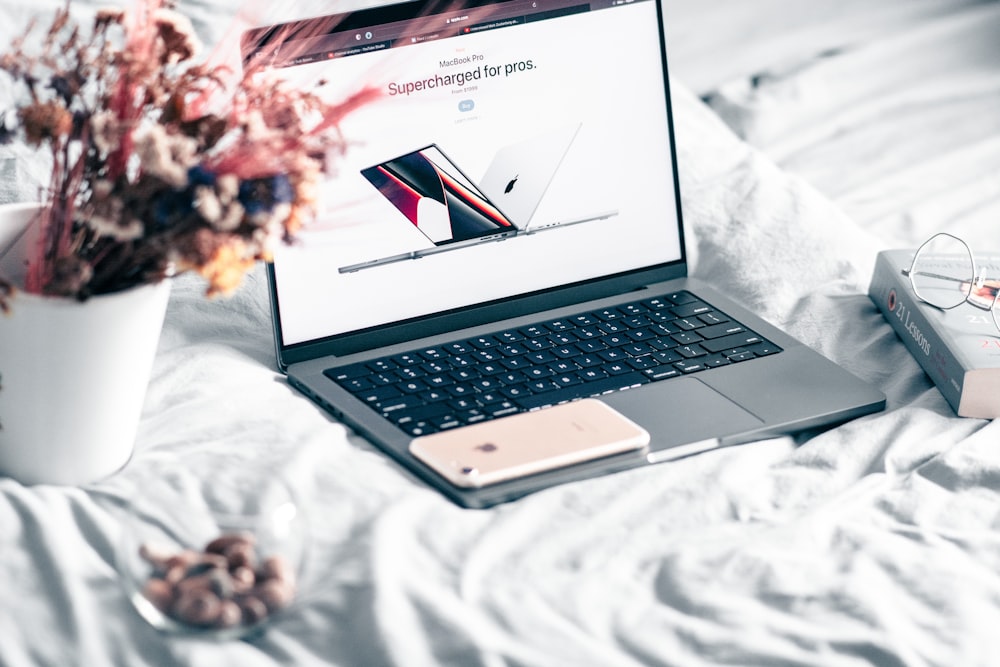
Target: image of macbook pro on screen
<point>430,191</point>
<point>435,197</point>
<point>498,330</point>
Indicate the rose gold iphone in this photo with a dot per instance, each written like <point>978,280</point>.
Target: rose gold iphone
<point>529,442</point>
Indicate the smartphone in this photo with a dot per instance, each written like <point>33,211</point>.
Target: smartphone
<point>529,442</point>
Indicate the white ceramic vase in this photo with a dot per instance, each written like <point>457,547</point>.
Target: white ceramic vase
<point>73,375</point>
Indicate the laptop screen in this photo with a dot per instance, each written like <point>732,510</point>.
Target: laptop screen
<point>517,147</point>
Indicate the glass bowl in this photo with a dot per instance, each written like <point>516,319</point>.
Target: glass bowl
<point>210,558</point>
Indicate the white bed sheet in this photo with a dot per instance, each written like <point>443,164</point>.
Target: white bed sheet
<point>875,542</point>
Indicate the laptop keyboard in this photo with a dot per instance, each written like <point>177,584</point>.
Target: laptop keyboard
<point>524,368</point>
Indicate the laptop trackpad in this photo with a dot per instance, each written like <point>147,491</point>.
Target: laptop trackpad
<point>682,412</point>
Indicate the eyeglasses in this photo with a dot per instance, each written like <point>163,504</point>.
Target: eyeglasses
<point>943,274</point>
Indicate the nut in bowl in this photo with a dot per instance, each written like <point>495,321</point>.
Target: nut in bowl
<point>208,571</point>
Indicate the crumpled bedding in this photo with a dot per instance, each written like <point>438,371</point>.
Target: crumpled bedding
<point>875,542</point>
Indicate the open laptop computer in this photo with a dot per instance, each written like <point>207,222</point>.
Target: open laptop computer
<point>603,308</point>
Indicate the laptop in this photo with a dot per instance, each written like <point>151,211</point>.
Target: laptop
<point>599,309</point>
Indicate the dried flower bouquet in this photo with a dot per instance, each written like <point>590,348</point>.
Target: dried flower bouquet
<point>158,168</point>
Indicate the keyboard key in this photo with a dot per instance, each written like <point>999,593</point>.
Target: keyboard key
<point>559,325</point>
<point>609,314</point>
<point>612,327</point>
<point>567,380</point>
<point>690,351</point>
<point>356,385</point>
<point>412,387</point>
<point>564,338</point>
<point>641,363</point>
<point>445,422</point>
<point>691,308</point>
<point>686,324</point>
<point>763,349</point>
<point>661,373</point>
<point>591,374</point>
<point>382,365</point>
<point>657,304</point>
<point>542,357</point>
<point>507,409</point>
<point>464,404</point>
<point>686,338</point>
<point>589,346</point>
<point>538,372</point>
<point>407,360</point>
<point>510,337</point>
<point>714,317</point>
<point>720,330</point>
<point>487,384</point>
<point>613,354</point>
<point>542,386</point>
<point>516,391</point>
<point>633,309</point>
<point>420,414</point>
<point>400,402</point>
<point>433,396</point>
<point>438,380</point>
<point>488,354</point>
<point>379,394</point>
<point>588,360</point>
<point>680,298</point>
<point>689,366</point>
<point>728,342</point>
<point>347,372</point>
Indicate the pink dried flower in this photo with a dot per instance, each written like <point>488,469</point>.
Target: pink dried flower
<point>157,166</point>
<point>177,36</point>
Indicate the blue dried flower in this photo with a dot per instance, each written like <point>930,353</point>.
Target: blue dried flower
<point>171,206</point>
<point>199,175</point>
<point>259,195</point>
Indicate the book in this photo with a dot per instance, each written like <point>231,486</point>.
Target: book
<point>958,348</point>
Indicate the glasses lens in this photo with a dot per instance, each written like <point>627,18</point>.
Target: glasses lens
<point>943,271</point>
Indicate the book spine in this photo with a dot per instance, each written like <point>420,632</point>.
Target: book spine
<point>891,293</point>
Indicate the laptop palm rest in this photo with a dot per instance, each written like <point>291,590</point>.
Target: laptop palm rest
<point>683,416</point>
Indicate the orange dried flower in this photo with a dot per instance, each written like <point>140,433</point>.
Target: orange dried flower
<point>44,121</point>
<point>225,270</point>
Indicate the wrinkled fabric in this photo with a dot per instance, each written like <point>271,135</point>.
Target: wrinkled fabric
<point>875,542</point>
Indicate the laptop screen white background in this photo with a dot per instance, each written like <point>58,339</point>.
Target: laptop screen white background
<point>598,69</point>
